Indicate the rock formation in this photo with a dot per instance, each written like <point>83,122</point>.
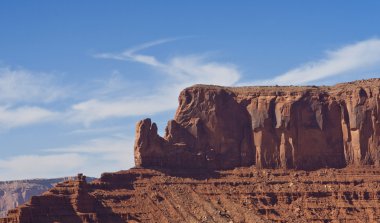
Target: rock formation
<point>239,155</point>
<point>271,127</point>
<point>15,193</point>
<point>244,194</point>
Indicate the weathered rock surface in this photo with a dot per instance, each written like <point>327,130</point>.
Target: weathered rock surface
<point>244,194</point>
<point>271,127</point>
<point>15,193</point>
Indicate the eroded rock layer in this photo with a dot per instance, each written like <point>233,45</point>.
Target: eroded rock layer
<point>289,127</point>
<point>15,193</point>
<point>244,194</point>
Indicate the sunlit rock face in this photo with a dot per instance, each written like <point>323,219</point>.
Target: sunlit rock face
<point>306,127</point>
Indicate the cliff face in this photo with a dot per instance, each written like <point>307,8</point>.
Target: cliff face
<point>271,127</point>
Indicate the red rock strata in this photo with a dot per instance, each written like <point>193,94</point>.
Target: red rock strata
<point>244,194</point>
<point>247,154</point>
<point>289,127</point>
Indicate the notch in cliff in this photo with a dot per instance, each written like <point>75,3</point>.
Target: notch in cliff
<point>305,127</point>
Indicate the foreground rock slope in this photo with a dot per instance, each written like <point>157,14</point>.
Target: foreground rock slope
<point>15,193</point>
<point>244,194</point>
<point>247,154</point>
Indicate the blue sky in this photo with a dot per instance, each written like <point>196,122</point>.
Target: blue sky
<point>75,76</point>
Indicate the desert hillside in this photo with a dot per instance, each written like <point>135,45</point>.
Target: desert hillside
<point>15,193</point>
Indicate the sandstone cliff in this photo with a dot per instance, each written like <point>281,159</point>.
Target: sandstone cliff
<point>305,127</point>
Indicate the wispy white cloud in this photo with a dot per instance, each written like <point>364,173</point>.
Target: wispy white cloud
<point>350,58</point>
<point>90,157</point>
<point>189,69</point>
<point>99,130</point>
<point>132,53</point>
<point>22,92</point>
<point>40,166</point>
<point>178,72</point>
<point>97,145</point>
<point>194,69</point>
<point>22,116</point>
<point>95,110</point>
<point>21,85</point>
<point>146,45</point>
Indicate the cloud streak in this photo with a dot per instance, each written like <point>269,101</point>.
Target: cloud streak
<point>21,85</point>
<point>23,96</point>
<point>40,166</point>
<point>177,73</point>
<point>91,157</point>
<point>190,69</point>
<point>350,58</point>
<point>22,116</point>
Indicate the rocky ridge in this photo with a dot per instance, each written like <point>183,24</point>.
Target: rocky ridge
<point>246,154</point>
<point>17,192</point>
<point>245,194</point>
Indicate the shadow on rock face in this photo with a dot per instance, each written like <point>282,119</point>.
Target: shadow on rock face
<point>197,174</point>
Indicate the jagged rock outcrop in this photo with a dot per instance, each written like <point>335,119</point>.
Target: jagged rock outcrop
<point>210,130</point>
<point>271,127</point>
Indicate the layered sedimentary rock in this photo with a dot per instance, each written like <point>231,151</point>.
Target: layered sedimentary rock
<point>271,127</point>
<point>15,193</point>
<point>244,194</point>
<point>63,203</point>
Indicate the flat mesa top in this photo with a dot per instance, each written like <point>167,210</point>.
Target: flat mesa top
<point>274,90</point>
